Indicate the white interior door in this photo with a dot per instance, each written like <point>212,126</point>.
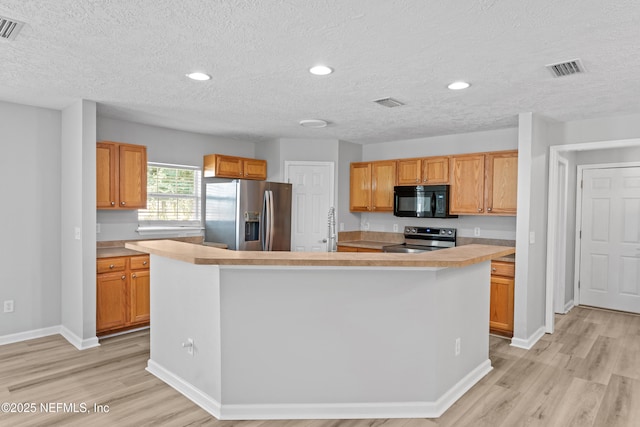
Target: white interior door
<point>610,242</point>
<point>312,197</point>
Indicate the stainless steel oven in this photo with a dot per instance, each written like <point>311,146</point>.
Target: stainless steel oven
<point>424,239</point>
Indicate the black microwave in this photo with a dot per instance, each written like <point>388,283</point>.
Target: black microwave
<point>422,201</point>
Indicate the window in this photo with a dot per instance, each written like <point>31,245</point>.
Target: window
<point>173,197</point>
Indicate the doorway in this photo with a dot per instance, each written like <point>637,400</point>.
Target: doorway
<point>555,284</point>
<point>609,238</point>
<point>313,196</point>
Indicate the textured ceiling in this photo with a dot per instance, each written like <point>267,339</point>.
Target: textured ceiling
<point>131,57</point>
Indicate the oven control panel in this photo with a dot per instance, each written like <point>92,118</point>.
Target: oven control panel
<point>410,231</point>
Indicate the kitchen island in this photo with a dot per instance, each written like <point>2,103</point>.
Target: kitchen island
<point>284,335</point>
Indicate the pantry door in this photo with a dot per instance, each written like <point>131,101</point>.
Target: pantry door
<point>610,239</point>
<point>312,197</point>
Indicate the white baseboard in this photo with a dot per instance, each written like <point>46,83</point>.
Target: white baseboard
<point>529,342</point>
<point>194,394</point>
<point>568,306</point>
<point>321,411</point>
<point>79,343</point>
<point>29,335</point>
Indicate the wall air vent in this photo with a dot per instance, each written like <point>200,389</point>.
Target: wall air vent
<point>388,102</point>
<point>567,68</point>
<point>9,28</point>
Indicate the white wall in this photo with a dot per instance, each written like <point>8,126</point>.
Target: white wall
<point>490,226</point>
<point>30,250</point>
<point>347,153</point>
<point>78,215</point>
<point>164,146</point>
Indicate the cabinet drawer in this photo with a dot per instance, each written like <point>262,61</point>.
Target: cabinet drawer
<point>140,262</point>
<point>502,268</point>
<point>107,265</point>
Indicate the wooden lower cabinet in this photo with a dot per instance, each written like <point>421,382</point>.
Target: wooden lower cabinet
<point>501,300</point>
<point>122,293</point>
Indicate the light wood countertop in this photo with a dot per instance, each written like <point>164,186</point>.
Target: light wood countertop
<point>459,256</point>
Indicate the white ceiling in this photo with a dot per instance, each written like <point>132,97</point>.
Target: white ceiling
<point>131,57</point>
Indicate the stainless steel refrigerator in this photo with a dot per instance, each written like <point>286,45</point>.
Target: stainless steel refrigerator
<point>248,215</point>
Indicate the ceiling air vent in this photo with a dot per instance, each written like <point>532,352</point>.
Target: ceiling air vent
<point>9,28</point>
<point>562,69</point>
<point>388,102</point>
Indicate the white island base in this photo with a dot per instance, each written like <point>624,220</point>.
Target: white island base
<point>287,342</point>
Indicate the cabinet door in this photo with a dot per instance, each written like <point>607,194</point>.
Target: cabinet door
<point>467,185</point>
<point>383,179</point>
<point>435,170</point>
<point>133,177</point>
<point>501,305</point>
<point>106,178</point>
<point>409,172</point>
<point>139,296</point>
<point>111,301</point>
<point>255,169</point>
<point>502,183</point>
<point>360,187</point>
<point>229,167</point>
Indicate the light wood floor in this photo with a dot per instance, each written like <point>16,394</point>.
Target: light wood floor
<point>586,374</point>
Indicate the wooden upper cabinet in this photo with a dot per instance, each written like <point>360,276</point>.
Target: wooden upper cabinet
<point>409,171</point>
<point>360,187</point>
<point>121,180</point>
<point>107,175</point>
<point>133,177</point>
<point>484,183</point>
<point>501,185</point>
<point>423,171</point>
<point>371,186</point>
<point>435,170</point>
<point>221,166</point>
<point>383,179</point>
<point>255,169</point>
<point>467,184</point>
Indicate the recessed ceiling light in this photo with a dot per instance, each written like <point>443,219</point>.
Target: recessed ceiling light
<point>321,70</point>
<point>458,85</point>
<point>199,76</point>
<point>313,123</point>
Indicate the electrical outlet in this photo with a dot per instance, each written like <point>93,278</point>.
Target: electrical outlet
<point>97,228</point>
<point>342,226</point>
<point>457,349</point>
<point>476,232</point>
<point>76,233</point>
<point>395,228</point>
<point>8,306</point>
<point>188,345</point>
<point>366,226</point>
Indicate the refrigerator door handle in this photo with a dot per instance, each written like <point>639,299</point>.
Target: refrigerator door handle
<point>271,221</point>
<point>263,223</point>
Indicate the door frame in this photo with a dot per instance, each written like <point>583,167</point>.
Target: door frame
<point>555,257</point>
<point>579,190</point>
<point>332,182</point>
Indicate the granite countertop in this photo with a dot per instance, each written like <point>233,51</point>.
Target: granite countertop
<point>459,256</point>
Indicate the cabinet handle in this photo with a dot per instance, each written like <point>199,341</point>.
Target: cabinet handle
<point>122,203</point>
<point>417,180</point>
<point>113,203</point>
<point>111,266</point>
<point>488,209</point>
<point>479,209</point>
<point>493,269</point>
<point>425,180</point>
<point>144,262</point>
<point>134,275</point>
<point>124,277</point>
